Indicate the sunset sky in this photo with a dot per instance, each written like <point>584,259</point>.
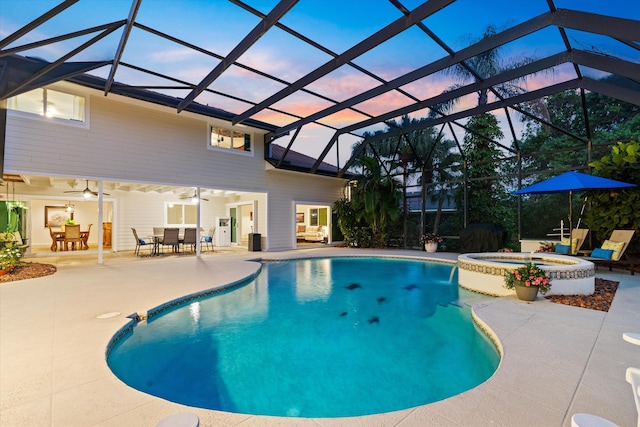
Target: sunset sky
<point>218,26</point>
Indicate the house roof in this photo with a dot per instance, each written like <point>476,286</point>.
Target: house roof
<point>317,76</point>
<point>296,161</point>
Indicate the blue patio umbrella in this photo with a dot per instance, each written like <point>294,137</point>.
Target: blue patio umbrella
<point>572,181</point>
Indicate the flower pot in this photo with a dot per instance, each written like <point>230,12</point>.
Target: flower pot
<point>3,272</point>
<point>526,293</point>
<point>430,247</point>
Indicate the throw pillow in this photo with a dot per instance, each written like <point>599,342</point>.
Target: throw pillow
<point>562,249</point>
<point>573,242</point>
<point>615,246</point>
<point>301,228</point>
<point>142,242</point>
<point>602,253</point>
<point>207,239</point>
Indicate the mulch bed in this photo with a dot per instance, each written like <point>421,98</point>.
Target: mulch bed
<point>600,300</point>
<point>28,270</point>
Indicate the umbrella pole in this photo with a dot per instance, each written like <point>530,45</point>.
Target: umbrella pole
<point>570,222</point>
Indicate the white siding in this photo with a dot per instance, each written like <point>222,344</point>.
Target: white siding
<point>130,143</point>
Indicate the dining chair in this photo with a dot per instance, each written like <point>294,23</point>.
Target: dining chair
<point>190,239</point>
<point>56,238</point>
<point>72,235</point>
<point>85,237</point>
<point>141,242</point>
<point>170,238</point>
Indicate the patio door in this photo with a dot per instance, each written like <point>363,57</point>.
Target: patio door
<point>233,214</point>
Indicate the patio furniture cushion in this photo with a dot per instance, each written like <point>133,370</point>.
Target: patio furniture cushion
<point>573,242</point>
<point>615,246</point>
<point>602,253</point>
<point>562,249</point>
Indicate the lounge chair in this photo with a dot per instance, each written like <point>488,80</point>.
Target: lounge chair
<point>633,378</point>
<point>573,245</point>
<point>589,420</point>
<point>612,251</point>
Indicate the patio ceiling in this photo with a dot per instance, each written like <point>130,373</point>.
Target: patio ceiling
<point>316,75</point>
<point>60,184</point>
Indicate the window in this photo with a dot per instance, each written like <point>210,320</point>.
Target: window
<point>181,214</point>
<point>229,139</point>
<point>50,103</point>
<point>313,217</point>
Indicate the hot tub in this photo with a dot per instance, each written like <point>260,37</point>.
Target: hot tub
<point>484,272</point>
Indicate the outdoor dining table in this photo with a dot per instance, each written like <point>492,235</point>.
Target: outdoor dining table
<point>157,239</point>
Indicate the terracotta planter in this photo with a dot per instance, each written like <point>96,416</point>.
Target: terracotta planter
<point>526,293</point>
<point>3,272</point>
<point>431,247</point>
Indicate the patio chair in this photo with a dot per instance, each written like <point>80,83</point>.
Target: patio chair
<point>578,236</point>
<point>18,242</point>
<point>170,238</point>
<point>72,235</point>
<point>633,378</point>
<point>572,245</point>
<point>190,239</point>
<point>612,251</point>
<point>141,242</point>
<point>208,239</point>
<point>589,420</point>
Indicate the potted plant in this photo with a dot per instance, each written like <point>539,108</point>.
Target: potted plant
<point>545,247</point>
<point>10,254</point>
<point>527,281</point>
<point>430,241</point>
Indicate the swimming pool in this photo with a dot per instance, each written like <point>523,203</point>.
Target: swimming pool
<point>329,337</point>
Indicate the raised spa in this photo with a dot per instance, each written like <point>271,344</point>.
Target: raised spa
<point>484,272</point>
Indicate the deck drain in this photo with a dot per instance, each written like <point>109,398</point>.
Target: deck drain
<point>108,315</point>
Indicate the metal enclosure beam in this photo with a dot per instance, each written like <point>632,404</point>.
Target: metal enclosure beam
<point>253,36</point>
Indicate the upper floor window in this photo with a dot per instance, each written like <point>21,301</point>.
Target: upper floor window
<point>50,103</point>
<point>229,139</point>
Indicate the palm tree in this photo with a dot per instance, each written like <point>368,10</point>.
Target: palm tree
<point>376,199</point>
<point>410,153</point>
<point>483,66</point>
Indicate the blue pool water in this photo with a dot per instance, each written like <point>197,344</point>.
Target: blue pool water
<point>315,338</point>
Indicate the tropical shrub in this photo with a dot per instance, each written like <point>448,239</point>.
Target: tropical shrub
<point>616,208</point>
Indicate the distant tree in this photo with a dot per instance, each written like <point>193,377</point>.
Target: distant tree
<point>617,208</point>
<point>486,196</point>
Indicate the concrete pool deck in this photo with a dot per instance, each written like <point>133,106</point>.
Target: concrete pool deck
<point>558,360</point>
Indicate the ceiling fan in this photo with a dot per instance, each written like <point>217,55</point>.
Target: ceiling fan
<point>86,193</point>
<point>193,198</point>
